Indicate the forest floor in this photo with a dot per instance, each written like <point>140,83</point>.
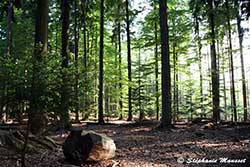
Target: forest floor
<point>140,145</point>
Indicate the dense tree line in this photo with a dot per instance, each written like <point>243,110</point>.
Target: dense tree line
<point>63,60</point>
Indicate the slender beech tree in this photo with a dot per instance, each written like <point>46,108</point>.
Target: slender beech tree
<point>84,33</point>
<point>199,47</point>
<point>224,80</point>
<point>64,115</point>
<point>231,62</point>
<point>240,35</point>
<point>141,110</point>
<point>36,114</point>
<point>76,41</point>
<point>100,97</point>
<point>165,66</point>
<point>156,65</point>
<point>214,68</point>
<point>120,62</point>
<point>130,116</point>
<point>175,78</point>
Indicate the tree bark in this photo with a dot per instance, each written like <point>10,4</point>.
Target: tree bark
<point>175,61</point>
<point>241,34</point>
<point>156,69</point>
<point>200,64</point>
<point>214,68</point>
<point>130,116</point>
<point>120,65</point>
<point>64,113</point>
<point>141,110</point>
<point>224,81</point>
<point>231,63</point>
<point>165,62</point>
<point>85,54</point>
<point>100,97</point>
<point>76,40</point>
<point>36,114</point>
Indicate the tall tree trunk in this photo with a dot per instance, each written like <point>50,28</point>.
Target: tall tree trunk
<point>64,115</point>
<point>96,66</point>
<point>231,63</point>
<point>165,66</point>
<point>175,61</point>
<point>214,68</point>
<point>156,69</point>
<point>130,116</point>
<point>36,114</point>
<point>200,64</point>
<point>209,88</point>
<point>175,84</point>
<point>176,89</point>
<point>141,111</point>
<point>106,99</point>
<point>120,64</point>
<point>100,97</point>
<point>76,38</point>
<point>224,82</point>
<point>84,11</point>
<point>241,34</point>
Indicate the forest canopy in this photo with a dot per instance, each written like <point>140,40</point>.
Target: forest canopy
<point>66,61</point>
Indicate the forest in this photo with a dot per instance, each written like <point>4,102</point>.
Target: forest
<point>124,83</point>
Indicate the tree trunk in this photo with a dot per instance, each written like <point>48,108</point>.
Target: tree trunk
<point>224,83</point>
<point>241,34</point>
<point>175,73</point>
<point>76,38</point>
<point>214,68</point>
<point>120,65</point>
<point>231,63</point>
<point>85,59</point>
<point>96,66</point>
<point>165,61</point>
<point>156,69</point>
<point>175,61</point>
<point>176,89</point>
<point>200,64</point>
<point>130,116</point>
<point>36,114</point>
<point>141,111</point>
<point>64,113</point>
<point>106,99</point>
<point>100,97</point>
<point>114,99</point>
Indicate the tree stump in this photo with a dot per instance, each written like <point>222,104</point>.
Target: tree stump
<point>80,147</point>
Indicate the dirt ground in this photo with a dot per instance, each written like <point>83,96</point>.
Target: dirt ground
<point>140,145</point>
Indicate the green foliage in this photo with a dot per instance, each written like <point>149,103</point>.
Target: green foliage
<point>188,22</point>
